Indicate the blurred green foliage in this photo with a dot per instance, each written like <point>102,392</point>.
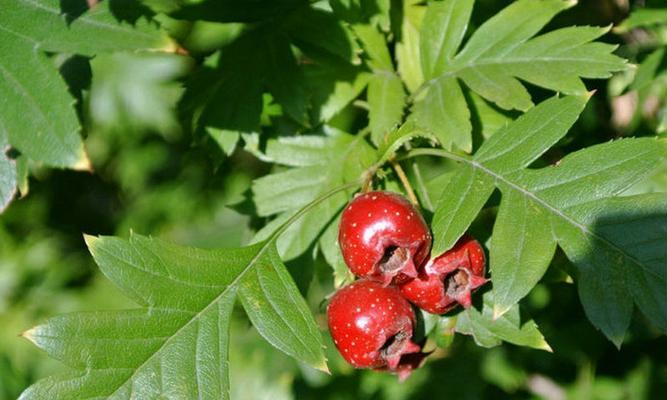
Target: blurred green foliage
<point>154,176</point>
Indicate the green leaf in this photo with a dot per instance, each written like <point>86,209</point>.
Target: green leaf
<point>187,296</point>
<point>386,99</point>
<point>312,28</point>
<point>397,138</point>
<point>647,69</point>
<point>490,117</point>
<point>284,192</point>
<point>227,140</point>
<point>490,332</point>
<point>8,175</point>
<point>442,110</point>
<point>644,17</point>
<point>333,86</point>
<point>234,11</point>
<point>443,28</point>
<point>30,86</point>
<point>511,149</point>
<point>556,204</point>
<point>522,248</point>
<point>137,91</point>
<point>329,246</point>
<point>407,50</point>
<point>47,27</point>
<point>284,78</point>
<point>501,51</point>
<point>375,46</point>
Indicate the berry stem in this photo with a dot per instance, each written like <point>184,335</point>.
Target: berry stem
<point>405,182</point>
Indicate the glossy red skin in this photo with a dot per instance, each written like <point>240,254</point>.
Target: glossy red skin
<point>374,221</point>
<point>363,316</point>
<point>428,291</point>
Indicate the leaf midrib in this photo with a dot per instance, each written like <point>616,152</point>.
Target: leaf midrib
<point>265,246</point>
<point>456,70</point>
<point>559,213</point>
<point>196,316</point>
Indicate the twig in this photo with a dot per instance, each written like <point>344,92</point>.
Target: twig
<point>406,183</point>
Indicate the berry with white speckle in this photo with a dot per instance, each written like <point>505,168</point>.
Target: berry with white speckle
<point>379,334</point>
<point>383,237</point>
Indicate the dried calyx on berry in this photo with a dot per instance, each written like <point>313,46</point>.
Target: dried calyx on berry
<point>372,327</point>
<point>449,279</point>
<point>383,237</point>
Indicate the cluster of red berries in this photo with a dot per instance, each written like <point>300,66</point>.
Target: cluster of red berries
<point>386,242</point>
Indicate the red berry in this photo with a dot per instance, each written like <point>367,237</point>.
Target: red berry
<point>383,236</point>
<point>449,279</point>
<point>372,327</point>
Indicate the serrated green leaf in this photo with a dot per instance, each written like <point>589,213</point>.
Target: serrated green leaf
<point>443,111</point>
<point>460,203</point>
<point>442,31</point>
<point>30,85</point>
<point>371,12</point>
<point>316,28</point>
<point>509,150</point>
<point>333,86</point>
<point>187,296</point>
<point>558,199</point>
<point>497,56</point>
<point>490,332</point>
<point>407,50</point>
<point>374,45</point>
<point>491,118</point>
<point>302,185</point>
<point>522,247</point>
<point>329,245</point>
<point>397,138</point>
<point>386,100</point>
<point>50,28</point>
<point>284,78</point>
<point>620,260</point>
<point>283,191</point>
<point>298,151</point>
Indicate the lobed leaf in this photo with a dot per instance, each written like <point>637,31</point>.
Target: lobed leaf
<point>49,27</point>
<point>298,186</point>
<point>30,85</point>
<point>177,344</point>
<point>563,204</point>
<point>490,331</point>
<point>499,54</point>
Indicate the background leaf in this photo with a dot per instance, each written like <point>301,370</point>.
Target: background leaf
<point>76,30</point>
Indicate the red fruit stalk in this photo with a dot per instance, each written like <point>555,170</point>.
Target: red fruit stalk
<point>383,237</point>
<point>372,327</point>
<point>448,280</point>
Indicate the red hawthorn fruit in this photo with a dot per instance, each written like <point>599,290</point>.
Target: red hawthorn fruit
<point>383,237</point>
<point>372,327</point>
<point>448,280</point>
